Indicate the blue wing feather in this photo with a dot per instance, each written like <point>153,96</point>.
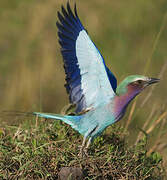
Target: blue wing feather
<point>78,52</point>
<point>112,79</point>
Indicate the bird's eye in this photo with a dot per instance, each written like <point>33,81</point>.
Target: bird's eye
<point>139,81</point>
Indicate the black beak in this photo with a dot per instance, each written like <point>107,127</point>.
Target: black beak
<point>153,80</point>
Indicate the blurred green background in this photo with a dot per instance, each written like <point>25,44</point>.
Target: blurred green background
<point>131,35</point>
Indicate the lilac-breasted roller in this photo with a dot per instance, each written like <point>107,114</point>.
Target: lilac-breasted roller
<point>91,86</point>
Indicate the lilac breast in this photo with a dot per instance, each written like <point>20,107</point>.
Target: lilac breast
<point>121,102</point>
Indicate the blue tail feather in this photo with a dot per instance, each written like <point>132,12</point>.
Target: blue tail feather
<point>73,121</point>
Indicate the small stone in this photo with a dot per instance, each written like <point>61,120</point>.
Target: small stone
<point>71,173</point>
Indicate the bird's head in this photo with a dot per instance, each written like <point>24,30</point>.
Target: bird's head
<point>134,84</point>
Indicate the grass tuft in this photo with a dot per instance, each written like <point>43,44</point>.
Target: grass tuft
<point>39,152</point>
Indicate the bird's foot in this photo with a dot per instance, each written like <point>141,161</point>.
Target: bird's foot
<point>80,154</point>
<point>83,152</point>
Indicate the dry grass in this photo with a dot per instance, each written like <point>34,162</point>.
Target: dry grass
<point>39,152</point>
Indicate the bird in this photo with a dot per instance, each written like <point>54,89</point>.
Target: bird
<point>91,86</point>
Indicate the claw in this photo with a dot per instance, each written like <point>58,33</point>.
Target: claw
<point>83,152</point>
<point>80,152</point>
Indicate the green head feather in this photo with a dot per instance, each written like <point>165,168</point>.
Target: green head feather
<point>122,88</point>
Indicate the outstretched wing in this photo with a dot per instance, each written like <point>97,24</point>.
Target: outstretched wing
<point>89,82</point>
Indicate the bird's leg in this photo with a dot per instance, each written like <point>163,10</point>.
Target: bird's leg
<point>82,147</point>
<point>87,146</point>
<point>89,142</point>
<point>88,134</point>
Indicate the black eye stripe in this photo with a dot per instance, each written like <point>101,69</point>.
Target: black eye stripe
<point>139,81</point>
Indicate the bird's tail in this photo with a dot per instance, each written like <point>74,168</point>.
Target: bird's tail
<point>74,121</point>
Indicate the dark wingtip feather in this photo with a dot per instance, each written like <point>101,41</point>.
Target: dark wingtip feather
<point>68,4</point>
<point>59,16</point>
<point>58,24</point>
<point>75,10</point>
<point>64,11</point>
<point>69,9</point>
